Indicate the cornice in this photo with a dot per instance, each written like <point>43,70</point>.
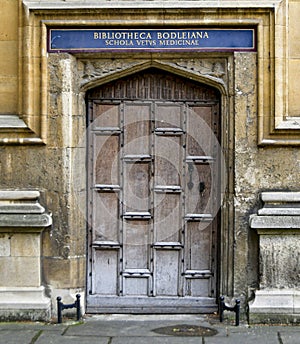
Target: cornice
<point>166,4</point>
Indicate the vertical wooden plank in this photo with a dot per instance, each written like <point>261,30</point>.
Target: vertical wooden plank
<point>105,272</point>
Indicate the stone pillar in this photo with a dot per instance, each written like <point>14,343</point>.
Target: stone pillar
<point>278,227</point>
<point>22,220</point>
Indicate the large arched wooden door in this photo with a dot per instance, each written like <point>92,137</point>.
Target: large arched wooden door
<point>153,195</point>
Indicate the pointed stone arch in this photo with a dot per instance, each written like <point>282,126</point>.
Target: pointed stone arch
<point>154,83</point>
<point>189,69</point>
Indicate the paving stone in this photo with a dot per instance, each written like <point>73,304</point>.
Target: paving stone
<point>141,332</point>
<point>157,340</point>
<point>17,337</point>
<point>291,337</point>
<point>33,326</point>
<point>119,328</point>
<point>54,338</point>
<point>246,337</point>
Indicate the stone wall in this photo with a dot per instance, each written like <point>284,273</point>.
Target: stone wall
<point>22,220</point>
<point>278,227</point>
<point>9,57</point>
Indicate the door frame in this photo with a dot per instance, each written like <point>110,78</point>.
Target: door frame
<point>225,235</point>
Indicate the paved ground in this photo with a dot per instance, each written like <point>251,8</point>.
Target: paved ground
<point>139,329</point>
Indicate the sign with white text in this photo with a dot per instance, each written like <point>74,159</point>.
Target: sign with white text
<point>100,40</point>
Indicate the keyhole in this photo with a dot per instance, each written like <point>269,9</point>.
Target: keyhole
<point>201,187</point>
<point>190,184</point>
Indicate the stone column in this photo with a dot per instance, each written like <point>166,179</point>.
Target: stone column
<point>278,227</point>
<point>22,220</point>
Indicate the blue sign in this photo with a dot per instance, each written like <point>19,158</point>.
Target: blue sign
<point>97,40</point>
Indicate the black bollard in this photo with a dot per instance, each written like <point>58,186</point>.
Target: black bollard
<point>61,307</point>
<point>236,309</point>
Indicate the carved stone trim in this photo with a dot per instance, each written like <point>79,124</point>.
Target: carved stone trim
<point>92,70</point>
<point>21,212</point>
<point>213,69</point>
<point>206,68</point>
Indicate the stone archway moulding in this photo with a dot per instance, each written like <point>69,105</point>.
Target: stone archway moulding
<point>275,126</point>
<point>204,71</point>
<point>215,72</point>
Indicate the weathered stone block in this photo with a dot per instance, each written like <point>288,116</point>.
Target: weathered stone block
<point>267,298</point>
<point>8,94</point>
<point>293,86</point>
<point>297,302</point>
<point>57,272</point>
<point>65,273</point>
<point>275,306</point>
<point>24,303</point>
<point>20,272</point>
<point>9,21</point>
<point>22,219</point>
<point>25,245</point>
<point>4,245</point>
<point>8,58</point>
<point>278,227</point>
<point>280,261</point>
<point>294,42</point>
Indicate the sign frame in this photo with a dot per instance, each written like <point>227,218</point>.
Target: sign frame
<point>93,40</point>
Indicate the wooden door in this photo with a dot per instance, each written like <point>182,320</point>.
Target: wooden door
<point>153,195</point>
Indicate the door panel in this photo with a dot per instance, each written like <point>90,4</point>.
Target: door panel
<point>167,272</point>
<point>137,129</point>
<point>168,116</point>
<point>168,214</point>
<point>136,240</point>
<point>136,187</point>
<point>105,115</point>
<point>152,192</point>
<point>168,160</point>
<point>198,200</point>
<point>106,217</point>
<point>105,280</point>
<point>106,159</point>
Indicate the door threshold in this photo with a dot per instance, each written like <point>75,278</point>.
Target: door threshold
<point>147,317</point>
<point>151,305</point>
